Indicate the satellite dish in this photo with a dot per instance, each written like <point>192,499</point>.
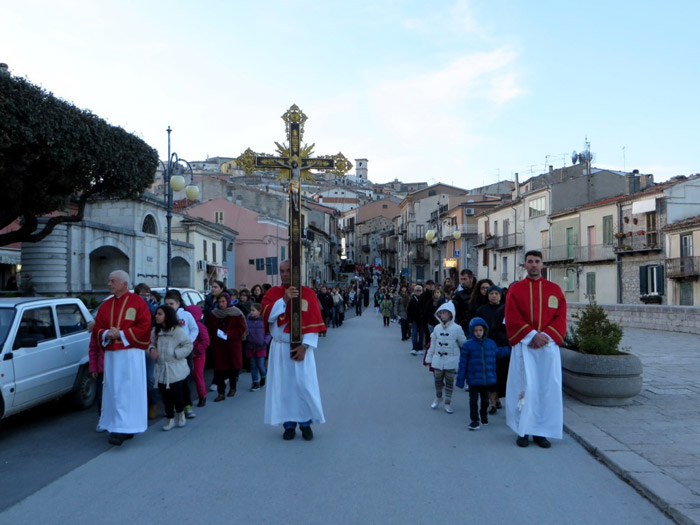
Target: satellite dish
<point>574,157</point>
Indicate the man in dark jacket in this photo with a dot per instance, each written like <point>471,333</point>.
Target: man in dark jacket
<point>415,317</point>
<point>326,302</point>
<point>462,296</point>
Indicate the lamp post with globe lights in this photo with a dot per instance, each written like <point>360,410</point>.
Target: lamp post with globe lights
<point>175,182</point>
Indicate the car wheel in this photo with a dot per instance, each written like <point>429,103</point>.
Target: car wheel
<point>85,390</point>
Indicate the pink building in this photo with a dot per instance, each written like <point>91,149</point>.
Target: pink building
<point>260,246</point>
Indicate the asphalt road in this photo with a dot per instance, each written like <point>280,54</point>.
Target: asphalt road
<point>382,457</point>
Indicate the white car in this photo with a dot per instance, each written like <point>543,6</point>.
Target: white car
<point>44,353</point>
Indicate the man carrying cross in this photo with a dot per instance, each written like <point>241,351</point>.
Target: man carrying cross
<point>293,395</point>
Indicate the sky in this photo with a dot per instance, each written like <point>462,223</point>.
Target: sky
<point>454,91</point>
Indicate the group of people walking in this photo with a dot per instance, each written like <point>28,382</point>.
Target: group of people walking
<point>140,348</point>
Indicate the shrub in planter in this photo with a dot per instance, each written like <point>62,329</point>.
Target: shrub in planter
<point>594,370</point>
<point>594,333</point>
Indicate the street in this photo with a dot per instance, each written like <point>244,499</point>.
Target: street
<point>382,457</point>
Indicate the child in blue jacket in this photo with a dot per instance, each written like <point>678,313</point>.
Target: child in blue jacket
<point>477,363</point>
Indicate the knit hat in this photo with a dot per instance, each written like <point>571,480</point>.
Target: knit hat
<point>494,288</point>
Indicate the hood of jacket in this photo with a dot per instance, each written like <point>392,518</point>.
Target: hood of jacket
<point>445,306</point>
<point>478,321</point>
<point>195,310</point>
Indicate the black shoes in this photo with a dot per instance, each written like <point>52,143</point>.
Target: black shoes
<point>307,433</point>
<point>498,405</point>
<point>202,402</point>
<point>117,439</point>
<point>522,441</point>
<point>289,433</point>
<point>493,410</point>
<point>262,382</point>
<point>543,442</point>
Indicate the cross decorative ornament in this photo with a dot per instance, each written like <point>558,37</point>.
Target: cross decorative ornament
<point>295,159</point>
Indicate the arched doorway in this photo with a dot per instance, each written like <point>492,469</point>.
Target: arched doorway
<point>181,273</point>
<point>103,261</point>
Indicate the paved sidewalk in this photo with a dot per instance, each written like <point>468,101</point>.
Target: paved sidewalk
<point>654,444</point>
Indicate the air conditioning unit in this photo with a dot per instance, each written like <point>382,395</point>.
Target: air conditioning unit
<point>202,265</point>
<point>468,211</point>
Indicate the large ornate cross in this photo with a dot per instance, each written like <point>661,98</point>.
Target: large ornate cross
<point>296,159</point>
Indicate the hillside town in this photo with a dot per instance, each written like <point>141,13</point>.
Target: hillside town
<point>606,236</point>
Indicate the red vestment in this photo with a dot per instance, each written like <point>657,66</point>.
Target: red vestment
<point>311,318</point>
<point>535,305</point>
<point>128,313</point>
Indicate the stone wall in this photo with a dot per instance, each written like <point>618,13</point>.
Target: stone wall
<point>684,319</point>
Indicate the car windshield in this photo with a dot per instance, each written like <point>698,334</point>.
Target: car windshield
<point>6,317</point>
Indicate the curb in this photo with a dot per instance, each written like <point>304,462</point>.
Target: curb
<point>669,496</point>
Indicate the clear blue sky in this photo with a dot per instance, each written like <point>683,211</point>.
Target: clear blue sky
<point>452,91</point>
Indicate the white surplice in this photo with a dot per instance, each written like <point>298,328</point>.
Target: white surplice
<point>533,393</point>
<point>291,389</point>
<point>124,397</point>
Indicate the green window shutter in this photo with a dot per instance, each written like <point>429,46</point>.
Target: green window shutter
<point>643,286</point>
<point>660,279</point>
<point>607,229</point>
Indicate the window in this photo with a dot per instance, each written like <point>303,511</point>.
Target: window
<point>590,284</point>
<point>536,207</point>
<point>204,248</point>
<point>652,235</point>
<point>651,279</point>
<point>504,267</point>
<point>271,265</point>
<point>570,279</point>
<point>495,227</point>
<point>219,217</point>
<point>37,325</point>
<point>259,264</point>
<point>213,252</point>
<point>495,260</point>
<point>432,193</point>
<point>70,319</point>
<point>506,227</point>
<point>687,245</point>
<point>485,257</point>
<point>149,225</point>
<point>607,229</point>
<point>282,253</point>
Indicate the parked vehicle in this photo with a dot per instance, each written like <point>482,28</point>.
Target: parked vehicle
<point>44,353</point>
<point>189,295</point>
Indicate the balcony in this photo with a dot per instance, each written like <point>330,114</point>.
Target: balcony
<point>638,243</point>
<point>420,260</point>
<point>596,252</point>
<point>681,267</point>
<point>365,248</point>
<point>562,252</point>
<point>464,229</point>
<point>483,239</point>
<point>508,242</point>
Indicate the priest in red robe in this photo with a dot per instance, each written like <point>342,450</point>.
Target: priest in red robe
<point>123,328</point>
<point>536,325</point>
<point>292,393</point>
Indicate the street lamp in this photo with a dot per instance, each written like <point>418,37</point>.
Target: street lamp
<point>457,235</point>
<point>177,183</point>
<point>429,236</point>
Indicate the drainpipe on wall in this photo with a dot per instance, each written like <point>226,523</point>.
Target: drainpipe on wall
<point>618,258</point>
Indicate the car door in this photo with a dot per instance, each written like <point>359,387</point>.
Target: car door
<point>73,328</point>
<point>7,371</point>
<point>38,357</point>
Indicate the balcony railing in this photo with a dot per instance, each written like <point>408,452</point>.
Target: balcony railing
<point>365,248</point>
<point>639,243</point>
<point>464,229</point>
<point>680,267</point>
<point>596,252</point>
<point>505,242</point>
<point>562,252</point>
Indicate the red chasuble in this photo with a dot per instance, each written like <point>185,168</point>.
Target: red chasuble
<point>311,319</point>
<point>129,313</point>
<point>535,305</point>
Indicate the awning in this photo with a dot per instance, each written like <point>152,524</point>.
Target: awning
<point>10,257</point>
<point>644,206</point>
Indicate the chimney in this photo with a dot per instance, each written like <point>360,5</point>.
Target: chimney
<point>517,186</point>
<point>551,168</point>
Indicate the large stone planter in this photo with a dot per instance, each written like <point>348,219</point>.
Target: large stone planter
<point>602,380</point>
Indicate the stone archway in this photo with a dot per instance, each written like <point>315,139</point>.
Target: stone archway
<point>181,273</point>
<point>103,261</point>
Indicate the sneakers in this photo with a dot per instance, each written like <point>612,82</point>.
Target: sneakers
<point>493,410</point>
<point>189,413</point>
<point>543,442</point>
<point>448,408</point>
<point>435,403</point>
<point>262,381</point>
<point>307,433</point>
<point>414,352</point>
<point>181,421</point>
<point>289,433</point>
<point>522,441</point>
<point>474,425</point>
<point>255,387</point>
<point>202,402</point>
<point>169,425</point>
<point>484,420</point>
